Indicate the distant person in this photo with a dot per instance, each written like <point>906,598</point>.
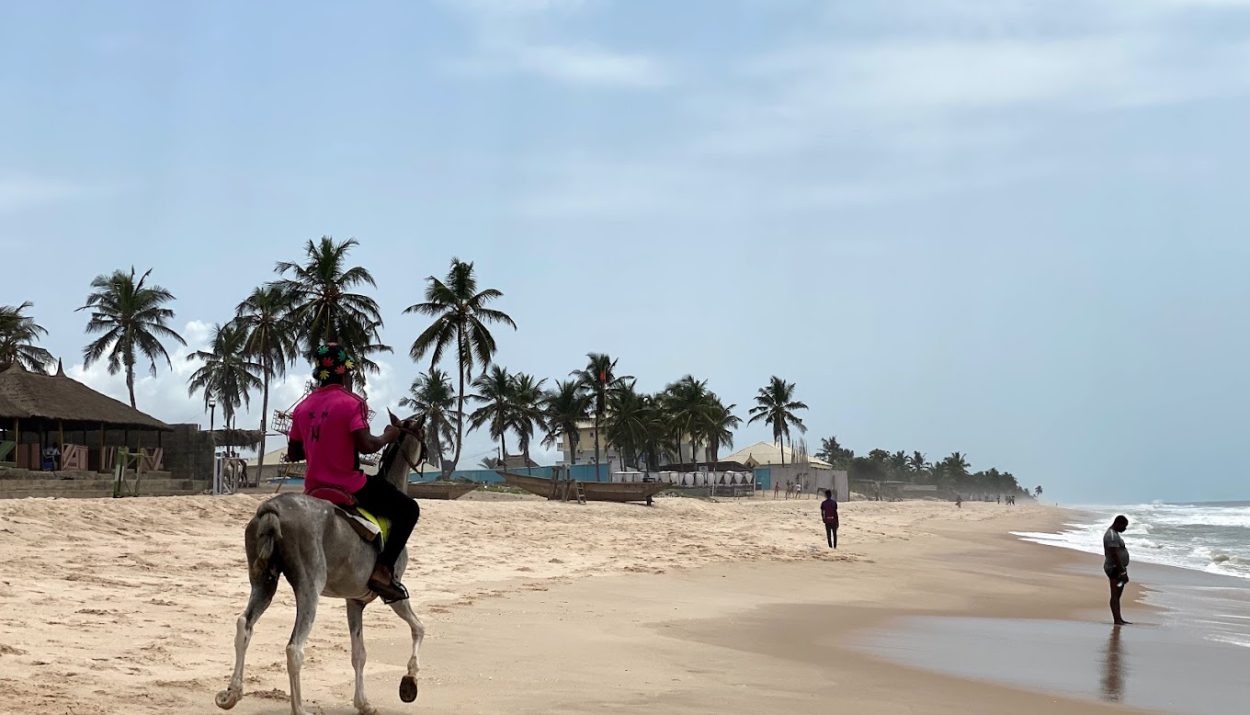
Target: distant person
<point>1115,564</point>
<point>789,489</point>
<point>959,502</point>
<point>829,514</point>
<point>51,455</point>
<point>776,489</point>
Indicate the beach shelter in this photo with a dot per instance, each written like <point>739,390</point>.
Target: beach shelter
<point>37,409</point>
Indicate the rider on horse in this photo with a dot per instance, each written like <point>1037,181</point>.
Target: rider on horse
<point>330,429</point>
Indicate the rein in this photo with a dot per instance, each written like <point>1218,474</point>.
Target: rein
<point>420,443</point>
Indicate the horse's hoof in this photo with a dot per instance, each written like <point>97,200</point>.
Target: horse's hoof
<point>408,689</point>
<point>227,699</point>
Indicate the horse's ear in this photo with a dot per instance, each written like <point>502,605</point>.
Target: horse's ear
<point>394,419</point>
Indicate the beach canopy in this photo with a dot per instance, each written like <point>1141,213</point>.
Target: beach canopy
<point>767,453</point>
<point>26,395</point>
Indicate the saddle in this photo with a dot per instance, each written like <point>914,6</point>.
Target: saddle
<point>373,529</point>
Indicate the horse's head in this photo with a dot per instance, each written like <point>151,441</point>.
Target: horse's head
<point>406,453</point>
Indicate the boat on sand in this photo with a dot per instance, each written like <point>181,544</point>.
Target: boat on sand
<point>440,490</point>
<point>571,489</point>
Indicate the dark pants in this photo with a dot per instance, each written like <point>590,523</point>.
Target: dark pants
<point>382,498</point>
<point>831,532</point>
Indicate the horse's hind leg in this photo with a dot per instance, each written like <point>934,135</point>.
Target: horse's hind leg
<point>408,686</point>
<point>307,592</point>
<point>356,627</point>
<point>262,596</point>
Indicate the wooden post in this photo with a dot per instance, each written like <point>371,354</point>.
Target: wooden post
<point>101,446</point>
<point>60,429</point>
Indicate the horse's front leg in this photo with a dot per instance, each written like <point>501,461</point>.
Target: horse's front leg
<point>261,597</point>
<point>356,627</point>
<point>307,592</point>
<point>408,686</point>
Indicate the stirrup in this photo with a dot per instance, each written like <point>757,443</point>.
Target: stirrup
<point>390,592</point>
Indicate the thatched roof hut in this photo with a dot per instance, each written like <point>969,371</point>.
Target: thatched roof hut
<point>33,397</point>
<point>243,438</point>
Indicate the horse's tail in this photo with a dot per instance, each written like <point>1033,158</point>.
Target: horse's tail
<point>268,536</point>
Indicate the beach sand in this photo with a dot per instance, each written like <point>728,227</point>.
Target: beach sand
<point>128,606</point>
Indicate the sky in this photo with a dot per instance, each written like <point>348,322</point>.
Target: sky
<point>1012,229</point>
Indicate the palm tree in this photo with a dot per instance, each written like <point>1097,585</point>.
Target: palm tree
<point>597,379</point>
<point>1037,490</point>
<point>227,374</point>
<point>494,393</point>
<point>18,335</point>
<point>566,406</point>
<point>632,424</point>
<point>719,429</point>
<point>917,463</point>
<point>898,463</point>
<point>689,404</point>
<point>269,339</point>
<point>434,399</point>
<point>528,401</point>
<point>775,405</point>
<point>954,468</point>
<point>132,316</point>
<point>460,315</point>
<point>323,306</point>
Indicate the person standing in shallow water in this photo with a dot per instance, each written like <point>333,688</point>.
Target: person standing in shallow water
<point>1115,564</point>
<point>829,514</point>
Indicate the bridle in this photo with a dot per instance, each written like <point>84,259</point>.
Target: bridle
<point>421,451</point>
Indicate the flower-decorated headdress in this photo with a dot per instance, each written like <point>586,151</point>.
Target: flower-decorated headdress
<point>331,359</point>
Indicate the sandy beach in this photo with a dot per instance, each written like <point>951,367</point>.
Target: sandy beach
<point>128,606</point>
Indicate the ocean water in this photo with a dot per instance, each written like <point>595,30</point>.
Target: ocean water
<point>1213,537</point>
<point>1210,541</point>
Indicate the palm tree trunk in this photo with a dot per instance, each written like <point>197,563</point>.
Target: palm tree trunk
<point>781,445</point>
<point>596,445</point>
<point>130,383</point>
<point>455,460</point>
<point>264,412</point>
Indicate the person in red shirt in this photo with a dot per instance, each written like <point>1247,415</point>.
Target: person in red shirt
<point>330,429</point>
<point>829,514</point>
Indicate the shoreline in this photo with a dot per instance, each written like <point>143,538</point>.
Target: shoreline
<point>725,637</point>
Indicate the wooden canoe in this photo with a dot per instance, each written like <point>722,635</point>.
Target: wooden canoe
<point>440,490</point>
<point>593,491</point>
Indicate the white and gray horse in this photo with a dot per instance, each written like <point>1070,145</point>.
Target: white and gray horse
<point>321,554</point>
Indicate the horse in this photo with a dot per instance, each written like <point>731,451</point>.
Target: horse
<point>321,553</point>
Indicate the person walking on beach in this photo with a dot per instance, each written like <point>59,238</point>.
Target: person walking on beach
<point>1115,564</point>
<point>330,428</point>
<point>829,514</point>
<point>776,488</point>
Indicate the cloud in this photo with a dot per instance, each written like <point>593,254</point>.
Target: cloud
<point>576,65</point>
<point>496,9</point>
<point>165,395</point>
<point>896,102</point>
<point>510,38</point>
<point>21,192</point>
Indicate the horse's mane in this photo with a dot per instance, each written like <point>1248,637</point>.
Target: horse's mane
<point>389,453</point>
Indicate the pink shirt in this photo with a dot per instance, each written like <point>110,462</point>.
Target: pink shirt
<point>324,422</point>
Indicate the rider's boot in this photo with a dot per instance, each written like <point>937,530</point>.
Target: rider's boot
<point>384,583</point>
